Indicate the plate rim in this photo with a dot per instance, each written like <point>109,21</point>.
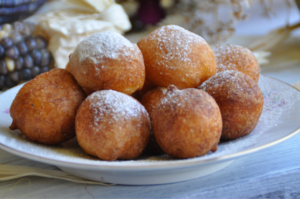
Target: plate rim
<point>141,167</point>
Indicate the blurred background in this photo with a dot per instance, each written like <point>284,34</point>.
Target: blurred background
<point>38,35</point>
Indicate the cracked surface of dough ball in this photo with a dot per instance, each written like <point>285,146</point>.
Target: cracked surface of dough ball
<point>240,100</point>
<point>187,123</point>
<point>107,60</point>
<point>237,58</point>
<point>45,107</point>
<point>177,56</point>
<point>111,125</point>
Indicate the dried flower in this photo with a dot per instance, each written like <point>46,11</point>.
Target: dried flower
<point>273,38</point>
<point>208,20</point>
<point>214,20</point>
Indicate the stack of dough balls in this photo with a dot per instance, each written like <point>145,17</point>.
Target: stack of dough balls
<point>192,96</point>
<point>178,58</point>
<point>237,58</point>
<point>240,100</point>
<point>110,124</point>
<point>231,82</point>
<point>236,91</point>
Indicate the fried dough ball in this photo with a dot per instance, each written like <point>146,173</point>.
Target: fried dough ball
<point>107,60</point>
<point>151,101</point>
<point>45,108</point>
<point>238,58</point>
<point>177,56</point>
<point>240,100</point>
<point>87,92</point>
<point>111,125</point>
<point>187,123</point>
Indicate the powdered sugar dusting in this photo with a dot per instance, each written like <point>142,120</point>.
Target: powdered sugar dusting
<point>174,42</point>
<point>164,90</point>
<point>220,79</point>
<point>277,105</point>
<point>172,97</point>
<point>115,104</point>
<point>232,57</point>
<point>103,45</point>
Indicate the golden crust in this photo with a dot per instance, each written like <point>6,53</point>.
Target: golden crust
<point>176,56</point>
<point>123,72</point>
<point>87,92</point>
<point>187,123</point>
<point>151,101</point>
<point>238,58</point>
<point>240,100</point>
<point>111,125</point>
<point>45,108</point>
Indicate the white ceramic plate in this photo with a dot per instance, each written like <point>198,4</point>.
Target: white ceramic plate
<point>279,121</point>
